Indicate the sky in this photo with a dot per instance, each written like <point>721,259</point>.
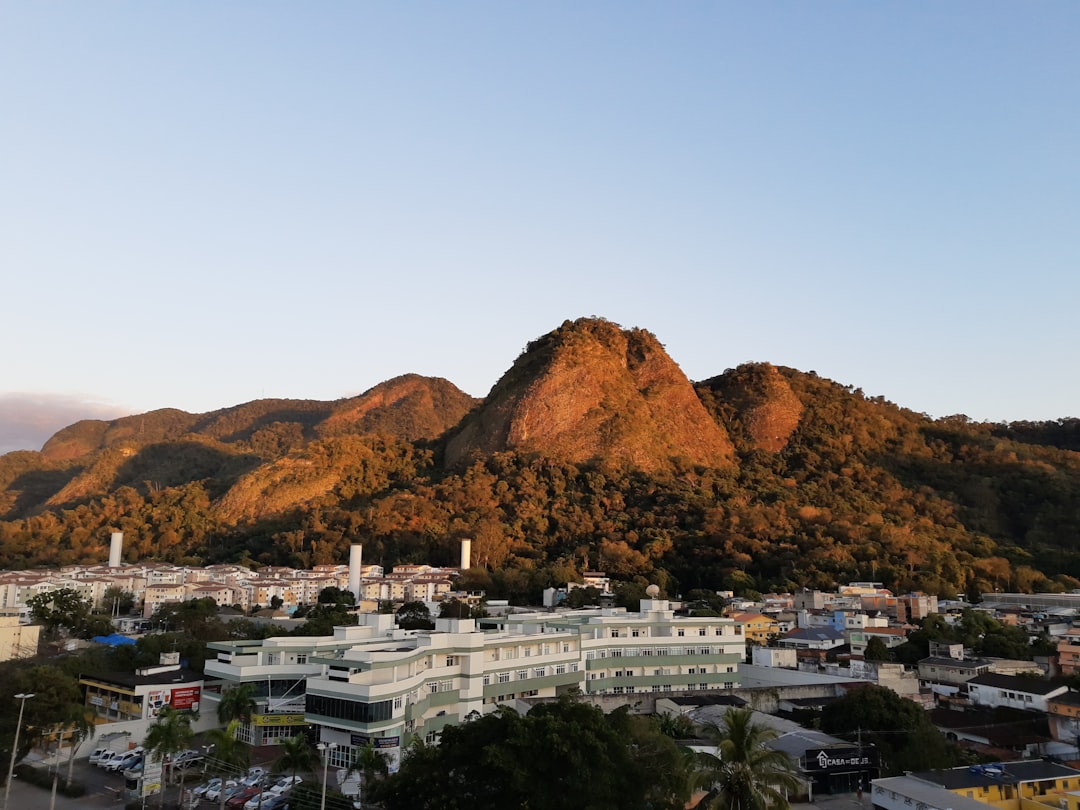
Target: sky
<point>207,203</point>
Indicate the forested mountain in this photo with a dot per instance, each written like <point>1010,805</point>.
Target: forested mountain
<point>593,451</point>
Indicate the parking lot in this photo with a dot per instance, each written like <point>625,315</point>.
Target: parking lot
<point>103,789</point>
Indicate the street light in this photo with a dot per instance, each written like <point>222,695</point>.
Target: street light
<point>22,698</point>
<point>325,748</point>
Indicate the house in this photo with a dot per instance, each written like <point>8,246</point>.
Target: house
<point>1026,785</point>
<point>757,627</point>
<point>1064,712</point>
<point>813,638</point>
<point>1013,691</point>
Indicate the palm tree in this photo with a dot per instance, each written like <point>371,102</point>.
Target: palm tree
<point>296,755</point>
<point>170,734</point>
<point>77,727</point>
<point>371,762</point>
<point>231,755</point>
<point>237,703</point>
<point>744,773</point>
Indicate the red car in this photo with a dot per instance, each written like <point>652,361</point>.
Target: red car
<point>240,799</point>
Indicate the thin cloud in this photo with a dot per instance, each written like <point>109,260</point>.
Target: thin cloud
<point>28,420</point>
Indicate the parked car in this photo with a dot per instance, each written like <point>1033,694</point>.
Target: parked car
<point>128,760</point>
<point>213,784</point>
<point>285,784</point>
<point>241,797</point>
<point>107,757</point>
<point>214,793</point>
<point>256,801</point>
<point>97,754</point>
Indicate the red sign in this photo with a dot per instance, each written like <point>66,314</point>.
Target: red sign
<point>186,697</point>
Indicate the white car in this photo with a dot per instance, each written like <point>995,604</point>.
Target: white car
<point>285,784</point>
<point>97,754</point>
<point>117,764</point>
<point>257,800</point>
<point>108,757</point>
<point>214,793</point>
<point>214,783</point>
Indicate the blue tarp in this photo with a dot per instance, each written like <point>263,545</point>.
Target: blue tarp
<point>114,640</point>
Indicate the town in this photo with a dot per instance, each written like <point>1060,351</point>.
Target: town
<point>377,684</point>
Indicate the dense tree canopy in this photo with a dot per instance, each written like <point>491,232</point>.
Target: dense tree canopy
<point>560,755</point>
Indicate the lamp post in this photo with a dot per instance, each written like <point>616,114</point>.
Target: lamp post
<point>325,749</point>
<point>22,698</point>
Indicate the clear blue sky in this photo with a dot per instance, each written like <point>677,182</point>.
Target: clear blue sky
<point>206,203</point>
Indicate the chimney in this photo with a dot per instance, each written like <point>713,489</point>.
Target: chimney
<point>466,554</point>
<point>356,556</point>
<point>115,548</point>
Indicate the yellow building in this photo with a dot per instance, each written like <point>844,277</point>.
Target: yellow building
<point>17,640</point>
<point>757,627</point>
<point>1031,784</point>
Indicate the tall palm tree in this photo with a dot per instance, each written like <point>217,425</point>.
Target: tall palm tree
<point>372,763</point>
<point>297,754</point>
<point>170,734</point>
<point>744,773</point>
<point>231,755</point>
<point>76,726</point>
<point>237,703</point>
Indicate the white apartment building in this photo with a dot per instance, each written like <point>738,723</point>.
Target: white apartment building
<point>372,684</point>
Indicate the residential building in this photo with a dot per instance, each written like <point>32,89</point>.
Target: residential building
<point>17,640</point>
<point>1013,691</point>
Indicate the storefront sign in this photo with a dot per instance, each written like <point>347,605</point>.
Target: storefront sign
<point>362,740</point>
<point>186,697</point>
<point>837,759</point>
<point>278,720</point>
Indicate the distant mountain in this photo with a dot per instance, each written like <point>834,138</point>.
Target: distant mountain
<point>592,392</point>
<point>592,451</point>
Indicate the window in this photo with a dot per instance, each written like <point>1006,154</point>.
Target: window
<point>446,686</point>
<point>545,649</point>
<point>528,652</point>
<point>301,658</point>
<point>615,632</point>
<point>540,672</point>
<point>433,687</point>
<point>574,667</point>
<point>522,674</point>
<point>451,660</point>
<point>560,669</point>
<point>566,646</point>
<point>738,629</point>
<point>504,677</point>
<point>635,632</point>
<point>618,690</point>
<point>719,631</point>
<point>681,632</point>
<point>616,653</point>
<point>431,737</point>
<point>487,680</point>
<point>399,702</point>
<point>701,631</point>
<point>509,653</point>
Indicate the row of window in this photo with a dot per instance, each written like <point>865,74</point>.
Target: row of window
<point>537,672</point>
<point>636,632</point>
<point>352,710</point>
<point>510,653</point>
<point>592,655</point>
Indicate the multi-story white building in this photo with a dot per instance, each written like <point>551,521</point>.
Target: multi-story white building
<point>373,684</point>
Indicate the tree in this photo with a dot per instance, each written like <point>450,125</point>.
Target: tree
<point>745,773</point>
<point>876,650</point>
<point>231,756</point>
<point>900,729</point>
<point>169,735</point>
<point>117,602</point>
<point>297,754</point>
<point>63,607</point>
<point>75,726</point>
<point>372,763</point>
<point>334,595</point>
<point>414,616</point>
<point>237,703</point>
<point>565,755</point>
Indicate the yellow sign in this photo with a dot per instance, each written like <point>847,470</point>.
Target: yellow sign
<point>278,720</point>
